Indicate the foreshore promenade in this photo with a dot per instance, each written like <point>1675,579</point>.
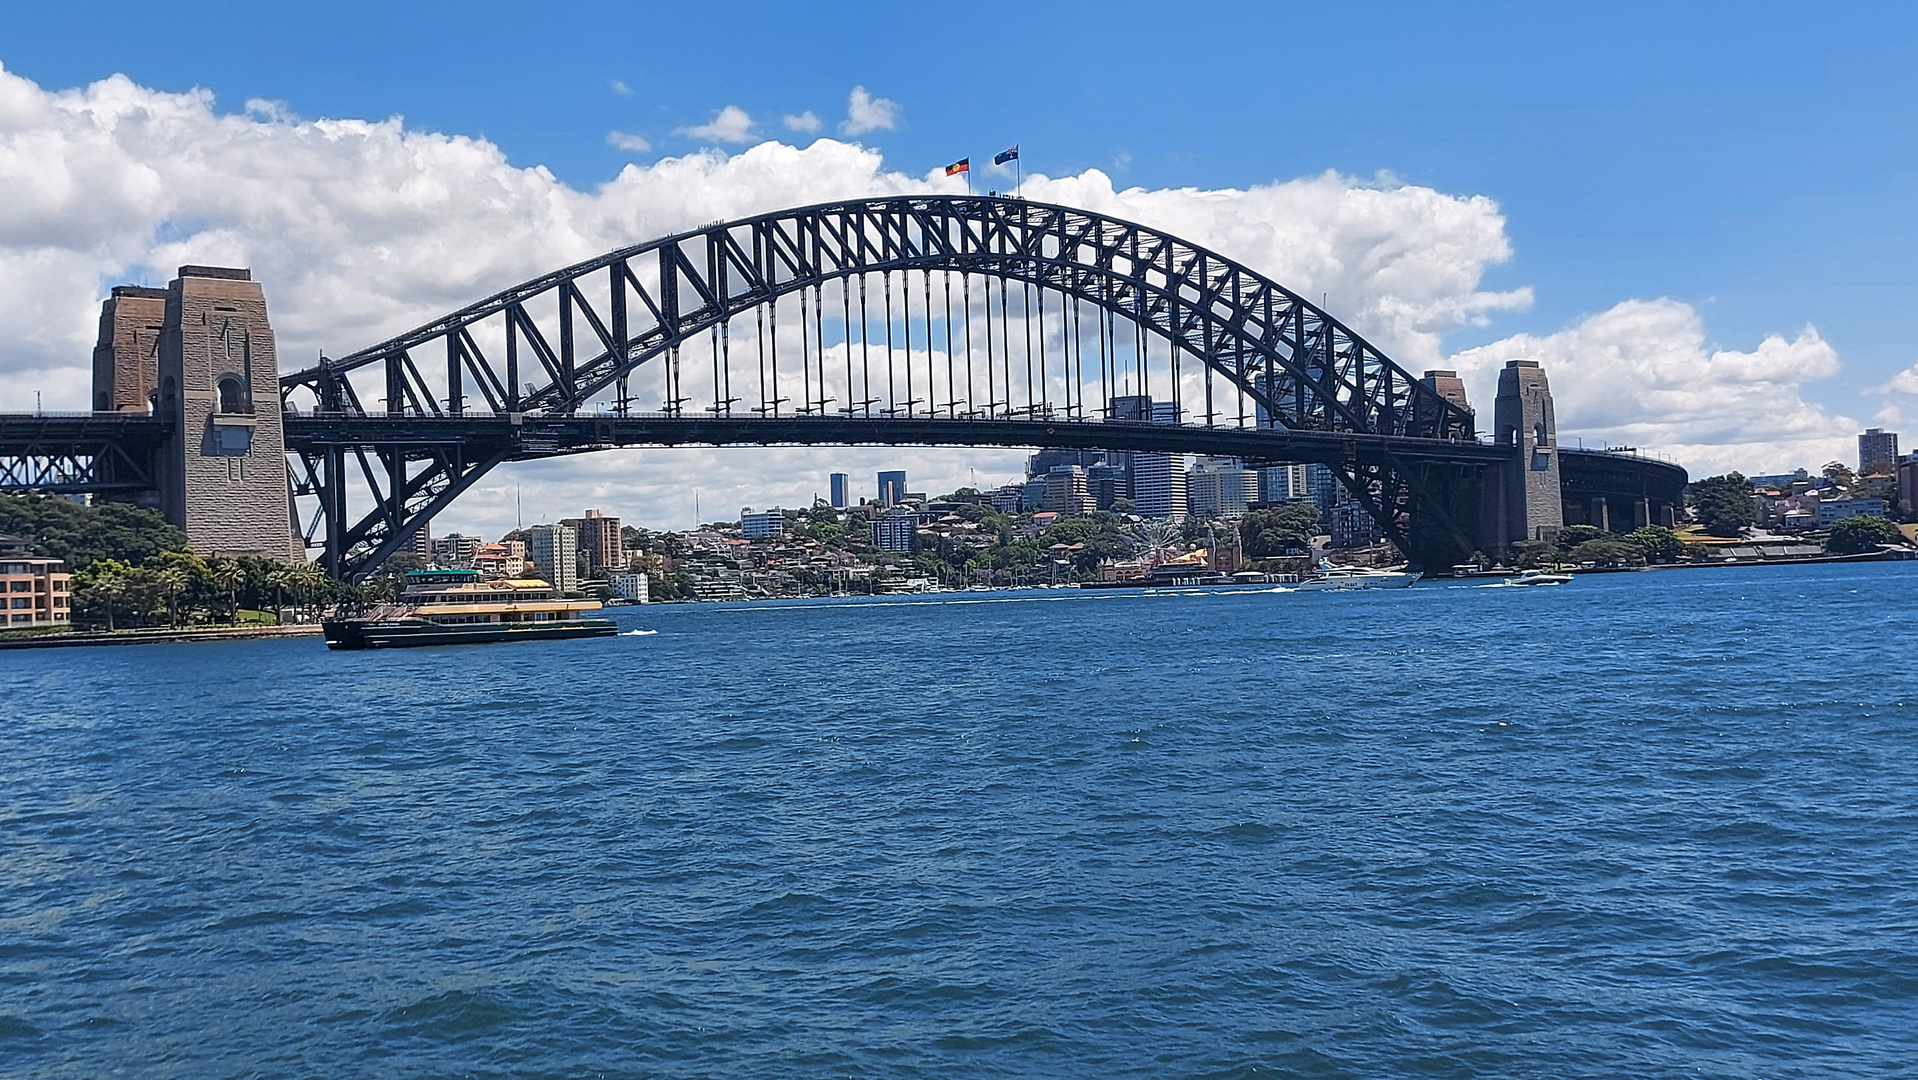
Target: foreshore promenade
<point>148,637</point>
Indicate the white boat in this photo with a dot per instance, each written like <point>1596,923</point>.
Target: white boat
<point>1538,577</point>
<point>1355,577</point>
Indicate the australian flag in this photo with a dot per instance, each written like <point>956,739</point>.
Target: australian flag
<point>1005,155</point>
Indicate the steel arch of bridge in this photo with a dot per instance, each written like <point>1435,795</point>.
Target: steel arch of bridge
<point>1305,372</point>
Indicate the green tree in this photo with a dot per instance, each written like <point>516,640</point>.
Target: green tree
<point>228,575</point>
<point>1865,532</point>
<point>1098,536</point>
<point>1608,551</point>
<point>82,535</point>
<point>1532,554</point>
<point>1271,531</point>
<point>1839,473</point>
<point>1571,536</point>
<point>1723,504</point>
<point>100,591</point>
<point>1656,542</point>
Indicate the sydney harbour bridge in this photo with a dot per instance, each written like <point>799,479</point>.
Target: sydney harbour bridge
<point>925,320</point>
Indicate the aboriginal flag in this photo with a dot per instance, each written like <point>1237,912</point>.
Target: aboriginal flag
<point>964,164</point>
<point>1006,155</point>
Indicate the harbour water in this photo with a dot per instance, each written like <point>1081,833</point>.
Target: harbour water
<point>1639,825</point>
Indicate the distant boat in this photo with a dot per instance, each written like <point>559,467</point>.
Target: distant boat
<point>1538,577</point>
<point>455,607</point>
<point>1331,577</point>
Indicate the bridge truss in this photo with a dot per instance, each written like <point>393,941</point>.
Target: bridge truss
<point>110,454</point>
<point>943,320</point>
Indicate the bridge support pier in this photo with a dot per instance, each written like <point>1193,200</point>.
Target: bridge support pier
<point>1526,501</point>
<point>222,475</point>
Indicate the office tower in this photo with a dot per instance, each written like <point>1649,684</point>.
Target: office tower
<point>763,524</point>
<point>892,487</point>
<point>1285,483</point>
<point>1045,461</point>
<point>841,490</point>
<point>1066,491</point>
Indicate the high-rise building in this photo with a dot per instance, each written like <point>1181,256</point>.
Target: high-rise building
<point>1877,450</point>
<point>602,547</point>
<point>1105,483</point>
<point>1155,481</point>
<point>759,526</point>
<point>841,490</point>
<point>895,530</point>
<point>1202,493</point>
<point>892,487</point>
<point>1220,487</point>
<point>555,550</point>
<point>1066,491</point>
<point>1045,461</point>
<point>1158,485</point>
<point>423,542</point>
<point>1285,483</point>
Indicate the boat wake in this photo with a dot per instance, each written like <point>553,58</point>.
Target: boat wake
<point>638,633</point>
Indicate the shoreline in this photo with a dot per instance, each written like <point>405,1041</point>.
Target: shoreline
<point>148,637</point>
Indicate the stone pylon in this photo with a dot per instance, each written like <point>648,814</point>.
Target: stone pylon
<point>126,362</point>
<point>1527,504</point>
<point>223,476</point>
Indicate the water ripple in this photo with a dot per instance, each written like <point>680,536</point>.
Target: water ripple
<point>1640,825</point>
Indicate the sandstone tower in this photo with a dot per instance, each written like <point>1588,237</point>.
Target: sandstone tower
<point>1527,504</point>
<point>223,476</point>
<point>126,362</point>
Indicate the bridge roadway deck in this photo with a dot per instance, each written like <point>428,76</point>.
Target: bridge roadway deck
<point>539,436</point>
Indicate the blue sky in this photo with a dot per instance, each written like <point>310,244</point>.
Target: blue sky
<point>1753,164</point>
<point>1757,160</point>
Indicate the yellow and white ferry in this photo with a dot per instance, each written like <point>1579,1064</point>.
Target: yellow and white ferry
<point>455,607</point>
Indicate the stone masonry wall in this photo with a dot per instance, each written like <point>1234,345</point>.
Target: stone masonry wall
<point>1532,506</point>
<point>224,478</point>
<point>126,361</point>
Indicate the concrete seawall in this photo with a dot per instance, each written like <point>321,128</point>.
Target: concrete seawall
<point>148,637</point>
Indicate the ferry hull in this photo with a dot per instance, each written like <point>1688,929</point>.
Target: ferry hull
<point>397,634</point>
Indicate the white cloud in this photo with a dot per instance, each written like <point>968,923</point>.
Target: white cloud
<point>867,113</point>
<point>806,123</point>
<point>620,88</point>
<point>627,141</point>
<point>1643,374</point>
<point>1905,382</point>
<point>269,109</point>
<point>1399,263</point>
<point>361,229</point>
<point>730,125</point>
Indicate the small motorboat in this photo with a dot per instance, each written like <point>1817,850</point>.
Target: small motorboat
<point>1538,577</point>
